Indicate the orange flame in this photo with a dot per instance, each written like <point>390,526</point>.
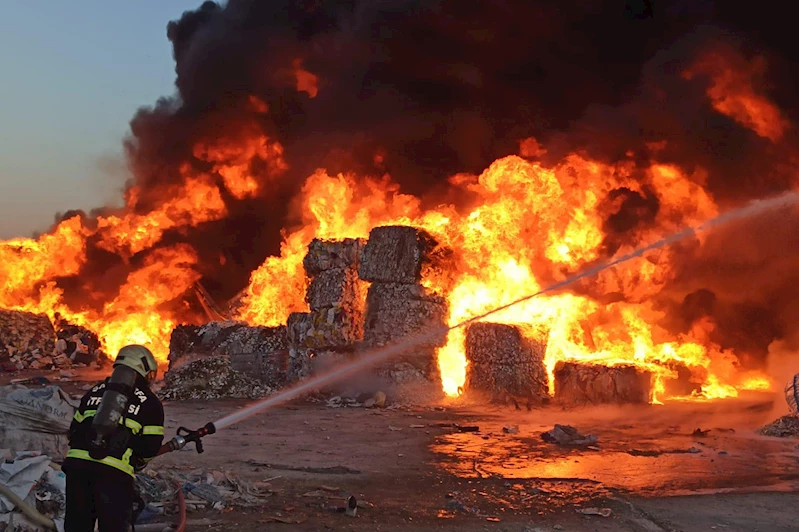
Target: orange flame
<point>732,92</point>
<point>529,226</point>
<point>306,81</point>
<point>143,309</point>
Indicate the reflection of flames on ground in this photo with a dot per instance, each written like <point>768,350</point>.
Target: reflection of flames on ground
<point>523,226</point>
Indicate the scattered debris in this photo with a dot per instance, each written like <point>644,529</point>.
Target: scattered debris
<point>568,435</point>
<point>41,486</point>
<point>285,520</point>
<point>512,429</point>
<point>604,512</point>
<point>380,399</point>
<point>333,470</point>
<point>156,488</point>
<point>784,427</point>
<point>209,378</point>
<point>352,506</point>
<point>35,381</point>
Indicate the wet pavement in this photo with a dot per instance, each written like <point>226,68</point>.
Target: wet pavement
<point>653,450</point>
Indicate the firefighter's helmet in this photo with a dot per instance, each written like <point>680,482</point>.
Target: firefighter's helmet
<point>140,359</point>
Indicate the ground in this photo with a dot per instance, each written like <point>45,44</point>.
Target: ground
<point>427,468</point>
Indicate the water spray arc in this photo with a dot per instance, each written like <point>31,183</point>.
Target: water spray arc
<point>375,356</point>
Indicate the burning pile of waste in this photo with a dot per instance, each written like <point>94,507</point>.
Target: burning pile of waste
<point>32,341</point>
<point>236,175</point>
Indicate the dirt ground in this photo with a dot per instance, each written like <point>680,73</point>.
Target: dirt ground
<point>455,466</point>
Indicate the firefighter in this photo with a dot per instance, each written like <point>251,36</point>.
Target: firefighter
<point>117,429</point>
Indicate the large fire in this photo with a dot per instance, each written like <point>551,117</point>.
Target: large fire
<point>525,225</point>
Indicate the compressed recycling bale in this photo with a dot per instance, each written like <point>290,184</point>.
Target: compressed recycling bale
<point>332,254</point>
<point>27,340</point>
<point>337,287</point>
<point>299,364</point>
<point>397,296</point>
<point>592,384</point>
<point>269,368</point>
<point>209,377</point>
<point>332,328</point>
<point>417,364</point>
<point>395,311</point>
<point>506,362</point>
<point>397,254</point>
<point>225,338</point>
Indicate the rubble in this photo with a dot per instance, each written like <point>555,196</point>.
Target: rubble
<point>325,255</point>
<point>78,344</point>
<point>27,340</point>
<point>397,254</point>
<point>203,490</point>
<point>784,427</point>
<point>210,377</point>
<point>567,435</point>
<point>592,384</point>
<point>506,363</point>
<point>260,352</point>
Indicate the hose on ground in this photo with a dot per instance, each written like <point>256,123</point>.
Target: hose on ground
<point>31,513</point>
<point>182,506</point>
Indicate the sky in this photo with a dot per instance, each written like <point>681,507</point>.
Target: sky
<point>72,74</point>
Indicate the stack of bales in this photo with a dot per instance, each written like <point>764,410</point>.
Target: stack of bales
<point>395,260</point>
<point>336,297</point>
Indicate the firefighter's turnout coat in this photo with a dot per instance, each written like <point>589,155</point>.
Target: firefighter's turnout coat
<point>137,441</point>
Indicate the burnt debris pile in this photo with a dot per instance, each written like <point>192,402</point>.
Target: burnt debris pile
<point>33,342</point>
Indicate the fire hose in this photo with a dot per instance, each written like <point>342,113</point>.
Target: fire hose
<point>29,511</point>
<point>185,436</point>
<point>177,443</point>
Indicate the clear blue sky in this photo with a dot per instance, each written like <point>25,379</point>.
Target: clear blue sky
<point>72,74</point>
